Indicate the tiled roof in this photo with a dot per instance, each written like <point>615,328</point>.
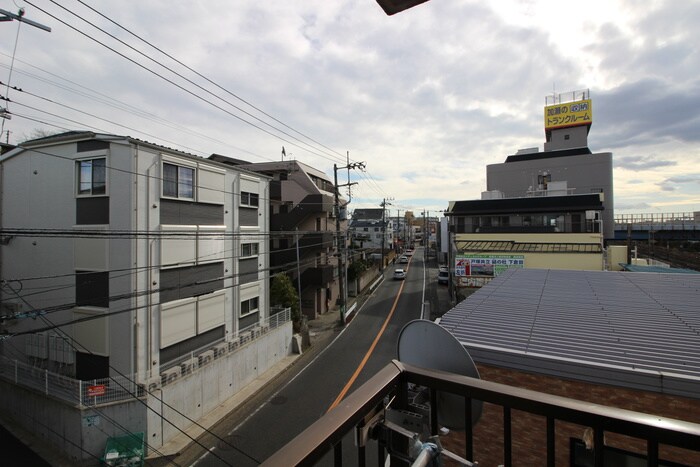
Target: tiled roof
<point>621,328</point>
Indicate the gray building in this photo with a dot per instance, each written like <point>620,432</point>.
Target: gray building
<point>146,270</point>
<point>302,229</point>
<point>566,166</point>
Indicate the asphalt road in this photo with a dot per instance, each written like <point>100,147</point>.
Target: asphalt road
<point>302,396</point>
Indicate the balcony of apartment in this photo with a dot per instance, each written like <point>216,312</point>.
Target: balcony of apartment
<point>321,274</point>
<point>311,205</point>
<point>309,244</point>
<point>518,427</point>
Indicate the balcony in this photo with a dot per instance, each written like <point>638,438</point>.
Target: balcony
<point>319,276</point>
<point>311,205</point>
<point>545,437</point>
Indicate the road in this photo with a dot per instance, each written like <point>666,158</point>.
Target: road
<point>364,346</point>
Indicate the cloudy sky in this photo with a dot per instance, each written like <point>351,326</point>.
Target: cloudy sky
<point>425,98</point>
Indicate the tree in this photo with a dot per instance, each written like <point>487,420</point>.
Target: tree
<point>283,293</point>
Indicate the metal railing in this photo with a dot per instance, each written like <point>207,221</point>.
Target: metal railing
<point>658,218</point>
<point>365,406</point>
<point>119,388</point>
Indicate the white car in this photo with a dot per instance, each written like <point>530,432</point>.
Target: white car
<point>399,274</point>
<point>403,259</point>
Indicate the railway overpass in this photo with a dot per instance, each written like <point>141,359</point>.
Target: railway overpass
<point>683,226</point>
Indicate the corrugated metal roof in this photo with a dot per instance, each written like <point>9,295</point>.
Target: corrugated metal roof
<point>640,330</point>
<point>640,268</point>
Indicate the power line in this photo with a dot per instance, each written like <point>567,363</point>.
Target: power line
<point>183,88</point>
<point>205,78</point>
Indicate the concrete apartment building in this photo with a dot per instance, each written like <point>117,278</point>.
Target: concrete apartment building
<point>302,229</point>
<point>146,271</point>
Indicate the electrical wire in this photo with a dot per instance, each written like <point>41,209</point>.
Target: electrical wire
<point>182,87</point>
<point>70,341</point>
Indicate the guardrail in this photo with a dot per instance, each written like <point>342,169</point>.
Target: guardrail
<point>362,411</point>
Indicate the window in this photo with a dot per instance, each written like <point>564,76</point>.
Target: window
<point>91,177</point>
<point>92,289</point>
<point>249,199</point>
<point>249,306</point>
<point>178,181</point>
<point>249,249</point>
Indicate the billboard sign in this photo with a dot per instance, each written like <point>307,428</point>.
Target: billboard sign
<point>570,114</point>
<point>477,270</point>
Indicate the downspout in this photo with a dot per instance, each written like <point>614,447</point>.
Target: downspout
<point>149,295</point>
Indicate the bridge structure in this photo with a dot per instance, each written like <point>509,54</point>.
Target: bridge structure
<point>674,226</point>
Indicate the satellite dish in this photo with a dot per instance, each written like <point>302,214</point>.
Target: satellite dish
<point>428,345</point>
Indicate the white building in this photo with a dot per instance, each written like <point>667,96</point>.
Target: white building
<point>146,270</point>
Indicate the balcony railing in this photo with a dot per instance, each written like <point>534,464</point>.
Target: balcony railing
<point>363,411</point>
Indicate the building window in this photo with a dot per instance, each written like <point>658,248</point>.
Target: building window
<point>92,289</point>
<point>249,306</point>
<point>178,181</point>
<point>249,249</point>
<point>249,199</point>
<point>92,178</point>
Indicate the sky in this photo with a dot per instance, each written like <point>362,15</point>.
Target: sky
<point>424,99</point>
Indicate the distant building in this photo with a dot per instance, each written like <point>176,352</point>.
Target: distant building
<point>136,276</point>
<point>550,209</point>
<point>370,229</point>
<point>303,223</point>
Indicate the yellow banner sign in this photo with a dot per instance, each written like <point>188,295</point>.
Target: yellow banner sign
<point>569,114</point>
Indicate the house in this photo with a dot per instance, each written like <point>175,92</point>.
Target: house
<point>370,229</point>
<point>137,288</point>
<point>303,229</point>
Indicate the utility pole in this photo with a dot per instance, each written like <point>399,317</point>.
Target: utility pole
<point>341,238</point>
<point>383,205</point>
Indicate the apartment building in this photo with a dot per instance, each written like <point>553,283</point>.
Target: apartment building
<point>138,264</point>
<point>303,241</point>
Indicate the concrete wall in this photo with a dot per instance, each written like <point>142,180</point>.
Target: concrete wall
<point>81,433</point>
<point>195,395</point>
<point>587,173</point>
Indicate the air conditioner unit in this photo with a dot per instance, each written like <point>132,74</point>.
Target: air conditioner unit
<point>170,375</point>
<point>36,346</point>
<point>221,349</point>
<point>233,345</point>
<point>206,357</point>
<point>188,366</point>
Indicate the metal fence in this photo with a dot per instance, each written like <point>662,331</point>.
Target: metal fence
<point>123,387</point>
<point>364,412</point>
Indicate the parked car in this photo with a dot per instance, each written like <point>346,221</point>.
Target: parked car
<point>443,276</point>
<point>403,259</point>
<point>409,252</point>
<point>399,274</point>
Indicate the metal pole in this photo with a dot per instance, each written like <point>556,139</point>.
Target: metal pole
<point>341,273</point>
<point>296,238</point>
<point>381,268</point>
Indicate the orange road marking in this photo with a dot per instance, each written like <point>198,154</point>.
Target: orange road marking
<point>371,349</point>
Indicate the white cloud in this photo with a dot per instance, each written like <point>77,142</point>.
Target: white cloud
<point>427,98</point>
